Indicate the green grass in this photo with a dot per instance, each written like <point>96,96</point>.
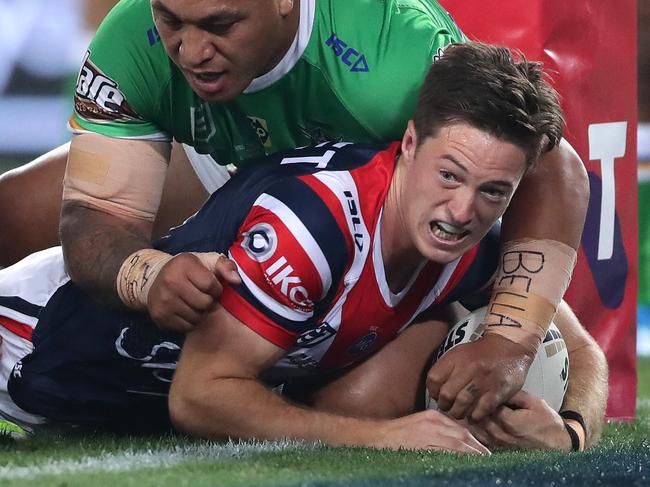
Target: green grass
<point>57,458</point>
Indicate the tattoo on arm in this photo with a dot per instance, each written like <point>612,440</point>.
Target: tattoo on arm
<point>95,244</point>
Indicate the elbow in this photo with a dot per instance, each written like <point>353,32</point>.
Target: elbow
<point>182,411</point>
<point>573,182</point>
<point>190,412</point>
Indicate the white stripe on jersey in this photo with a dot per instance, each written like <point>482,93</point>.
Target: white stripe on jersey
<point>339,182</point>
<point>271,303</point>
<point>302,236</point>
<point>391,299</point>
<point>34,279</point>
<point>441,283</point>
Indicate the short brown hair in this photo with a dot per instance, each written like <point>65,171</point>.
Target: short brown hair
<point>486,87</point>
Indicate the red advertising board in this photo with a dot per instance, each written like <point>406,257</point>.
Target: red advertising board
<point>589,48</point>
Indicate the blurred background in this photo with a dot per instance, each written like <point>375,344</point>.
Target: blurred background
<point>42,43</point>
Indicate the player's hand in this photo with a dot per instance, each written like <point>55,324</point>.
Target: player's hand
<point>473,379</point>
<point>427,430</point>
<point>526,422</point>
<point>187,288</point>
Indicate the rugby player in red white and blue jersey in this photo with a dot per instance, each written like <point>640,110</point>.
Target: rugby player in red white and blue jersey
<point>340,247</point>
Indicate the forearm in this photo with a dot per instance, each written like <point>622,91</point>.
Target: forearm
<point>96,244</point>
<point>587,389</point>
<point>541,233</point>
<point>245,408</point>
<point>551,201</point>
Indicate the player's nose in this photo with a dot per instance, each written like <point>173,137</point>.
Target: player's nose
<point>461,207</point>
<point>195,47</point>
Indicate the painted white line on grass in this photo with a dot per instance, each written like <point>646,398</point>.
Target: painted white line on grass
<point>153,458</point>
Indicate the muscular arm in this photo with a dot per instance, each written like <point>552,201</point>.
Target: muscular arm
<point>587,389</point>
<point>550,206</point>
<point>109,186</point>
<point>95,245</point>
<point>215,393</point>
<point>534,425</point>
<point>551,201</point>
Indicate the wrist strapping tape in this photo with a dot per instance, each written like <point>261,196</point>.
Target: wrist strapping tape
<point>140,269</point>
<point>137,274</point>
<point>530,283</point>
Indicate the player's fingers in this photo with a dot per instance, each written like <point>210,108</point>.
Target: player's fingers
<point>498,436</point>
<point>521,400</point>
<point>450,428</point>
<point>465,400</point>
<point>437,376</point>
<point>176,324</point>
<point>480,434</point>
<point>456,383</point>
<point>227,270</point>
<point>203,280</point>
<point>458,446</point>
<point>220,266</point>
<point>200,300</point>
<point>188,314</point>
<point>487,404</point>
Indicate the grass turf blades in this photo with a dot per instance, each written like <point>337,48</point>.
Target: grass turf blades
<point>76,458</point>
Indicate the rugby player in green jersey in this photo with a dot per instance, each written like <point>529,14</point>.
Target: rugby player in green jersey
<point>237,79</point>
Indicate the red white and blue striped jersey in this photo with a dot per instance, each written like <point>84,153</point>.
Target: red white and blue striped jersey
<point>308,250</point>
<point>304,231</point>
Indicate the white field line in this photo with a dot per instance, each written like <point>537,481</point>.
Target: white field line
<point>153,458</point>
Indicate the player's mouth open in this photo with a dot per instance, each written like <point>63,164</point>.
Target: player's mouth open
<point>207,77</point>
<point>447,231</point>
<point>207,80</point>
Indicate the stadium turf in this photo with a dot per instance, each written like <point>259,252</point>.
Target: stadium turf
<point>78,459</point>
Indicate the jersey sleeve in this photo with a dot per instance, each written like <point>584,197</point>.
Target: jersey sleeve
<point>286,270</point>
<point>121,85</point>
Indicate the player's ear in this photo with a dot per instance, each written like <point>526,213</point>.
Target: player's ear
<point>409,141</point>
<point>285,7</point>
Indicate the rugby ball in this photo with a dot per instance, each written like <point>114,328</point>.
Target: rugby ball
<point>548,375</point>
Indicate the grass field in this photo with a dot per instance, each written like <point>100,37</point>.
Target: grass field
<point>622,458</point>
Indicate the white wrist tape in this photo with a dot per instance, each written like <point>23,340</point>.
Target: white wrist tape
<point>137,275</point>
<point>140,269</point>
<point>530,283</point>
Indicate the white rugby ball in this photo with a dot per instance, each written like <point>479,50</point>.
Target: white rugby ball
<point>548,374</point>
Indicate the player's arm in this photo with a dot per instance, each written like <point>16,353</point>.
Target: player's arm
<point>112,190</point>
<point>531,424</point>
<point>541,232</point>
<point>216,393</point>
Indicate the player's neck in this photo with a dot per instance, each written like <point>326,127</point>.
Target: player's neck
<point>401,258</point>
<point>292,22</point>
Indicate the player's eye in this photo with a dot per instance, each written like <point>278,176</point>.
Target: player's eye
<point>495,194</point>
<point>220,28</point>
<point>170,21</point>
<point>448,176</point>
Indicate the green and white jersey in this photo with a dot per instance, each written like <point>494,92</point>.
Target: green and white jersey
<point>352,73</point>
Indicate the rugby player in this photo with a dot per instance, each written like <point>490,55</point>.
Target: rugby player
<point>238,79</point>
<point>340,248</point>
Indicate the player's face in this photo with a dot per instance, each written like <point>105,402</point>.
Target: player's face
<point>222,45</point>
<point>456,185</point>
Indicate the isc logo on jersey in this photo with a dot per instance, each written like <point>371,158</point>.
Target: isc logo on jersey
<point>97,97</point>
<point>260,243</point>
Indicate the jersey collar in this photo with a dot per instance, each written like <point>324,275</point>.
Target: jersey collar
<point>307,13</point>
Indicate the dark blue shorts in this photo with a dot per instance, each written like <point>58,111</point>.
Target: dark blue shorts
<point>96,366</point>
